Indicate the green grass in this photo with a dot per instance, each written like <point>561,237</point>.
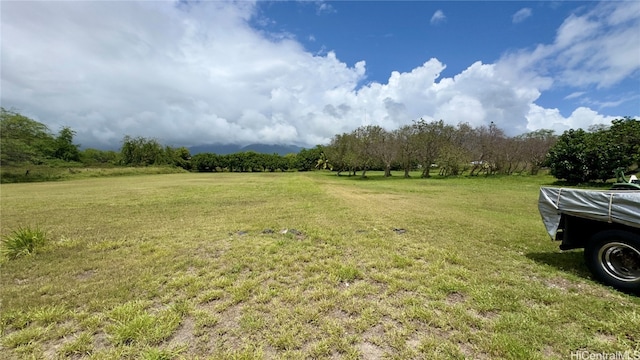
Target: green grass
<point>196,266</point>
<point>73,171</point>
<point>22,241</point>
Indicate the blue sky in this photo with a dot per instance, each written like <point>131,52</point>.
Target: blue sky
<point>291,72</point>
<point>401,35</point>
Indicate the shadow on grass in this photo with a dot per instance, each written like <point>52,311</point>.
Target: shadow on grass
<point>22,177</point>
<point>567,261</point>
<point>395,175</point>
<point>398,175</point>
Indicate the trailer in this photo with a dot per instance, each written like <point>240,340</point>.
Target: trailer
<point>606,223</point>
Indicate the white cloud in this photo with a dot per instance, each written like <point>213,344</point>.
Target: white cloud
<point>601,104</point>
<point>521,15</point>
<point>597,48</point>
<point>198,73</point>
<point>588,49</point>
<point>574,95</point>
<point>438,17</point>
<point>151,69</point>
<point>541,118</point>
<point>324,8</point>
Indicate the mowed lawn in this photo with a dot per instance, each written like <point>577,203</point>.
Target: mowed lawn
<point>198,266</point>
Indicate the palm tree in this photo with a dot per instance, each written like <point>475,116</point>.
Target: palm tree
<point>323,163</point>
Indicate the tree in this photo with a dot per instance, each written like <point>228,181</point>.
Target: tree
<point>273,162</point>
<point>289,161</point>
<point>323,163</point>
<point>98,157</point>
<point>580,156</point>
<point>456,154</point>
<point>385,148</point>
<point>365,138</point>
<point>341,153</point>
<point>535,146</point>
<point>405,148</point>
<point>65,149</point>
<point>611,149</point>
<point>626,132</point>
<point>142,152</point>
<point>23,139</point>
<point>489,141</point>
<point>452,159</point>
<point>180,157</point>
<point>567,159</point>
<point>308,158</point>
<point>252,161</point>
<point>429,140</point>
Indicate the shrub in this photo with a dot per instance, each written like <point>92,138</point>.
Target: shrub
<point>23,241</point>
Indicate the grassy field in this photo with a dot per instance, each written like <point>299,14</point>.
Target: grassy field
<point>62,171</point>
<point>198,266</point>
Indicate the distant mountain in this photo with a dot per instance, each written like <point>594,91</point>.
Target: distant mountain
<point>273,149</point>
<point>221,149</point>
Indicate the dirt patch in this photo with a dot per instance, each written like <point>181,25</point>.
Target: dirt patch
<point>370,351</point>
<point>469,352</point>
<point>100,341</point>
<point>438,333</point>
<point>228,328</point>
<point>20,281</point>
<point>455,298</point>
<point>373,332</point>
<point>413,342</point>
<point>339,314</point>
<point>549,353</point>
<point>606,338</point>
<point>86,274</point>
<point>184,334</point>
<point>558,283</point>
<point>52,348</point>
<point>229,313</point>
<point>485,314</point>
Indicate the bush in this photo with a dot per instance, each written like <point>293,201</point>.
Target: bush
<point>22,241</point>
<point>580,156</point>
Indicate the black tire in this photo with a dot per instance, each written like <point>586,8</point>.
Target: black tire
<point>613,256</point>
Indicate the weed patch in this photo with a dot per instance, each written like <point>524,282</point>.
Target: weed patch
<point>23,241</point>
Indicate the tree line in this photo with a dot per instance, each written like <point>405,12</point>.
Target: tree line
<point>142,151</point>
<point>451,150</point>
<point>576,156</point>
<point>250,161</point>
<point>24,141</point>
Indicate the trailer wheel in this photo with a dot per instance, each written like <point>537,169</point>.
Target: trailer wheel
<point>613,256</point>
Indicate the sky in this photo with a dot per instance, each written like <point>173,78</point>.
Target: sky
<point>299,72</point>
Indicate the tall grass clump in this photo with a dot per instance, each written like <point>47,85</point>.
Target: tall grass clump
<point>23,241</point>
